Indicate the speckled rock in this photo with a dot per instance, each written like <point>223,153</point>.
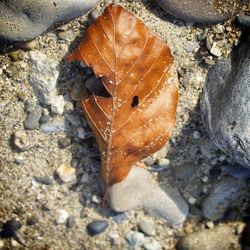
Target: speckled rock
<point>201,11</point>
<point>224,194</point>
<point>26,19</point>
<point>221,237</point>
<point>225,105</point>
<point>32,119</point>
<point>43,78</point>
<point>139,190</point>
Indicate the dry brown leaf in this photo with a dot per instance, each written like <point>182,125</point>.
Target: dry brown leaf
<point>136,68</point>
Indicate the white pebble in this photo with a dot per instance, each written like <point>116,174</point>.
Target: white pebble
<point>191,200</point>
<point>196,135</point>
<point>66,173</point>
<point>151,244</point>
<point>61,216</point>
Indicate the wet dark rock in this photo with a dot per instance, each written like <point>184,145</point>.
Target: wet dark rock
<point>10,227</point>
<point>45,180</point>
<point>225,105</point>
<point>224,194</point>
<point>32,119</point>
<point>244,20</point>
<point>236,170</point>
<point>221,237</point>
<point>24,20</point>
<point>201,11</point>
<point>97,227</point>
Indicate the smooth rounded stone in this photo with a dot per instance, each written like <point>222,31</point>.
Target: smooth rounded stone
<point>140,190</point>
<point>244,20</point>
<point>224,194</point>
<point>10,227</point>
<point>61,216</point>
<point>119,217</point>
<point>199,11</point>
<point>32,119</point>
<point>185,171</point>
<point>147,226</point>
<point>22,140</point>
<point>20,21</point>
<point>151,244</point>
<point>53,127</point>
<point>97,227</point>
<point>236,170</point>
<point>221,237</point>
<point>66,173</point>
<point>43,78</point>
<point>135,239</point>
<point>19,159</point>
<point>34,219</point>
<point>225,106</point>
<point>45,180</point>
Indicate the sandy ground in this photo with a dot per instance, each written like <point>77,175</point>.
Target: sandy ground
<point>22,197</point>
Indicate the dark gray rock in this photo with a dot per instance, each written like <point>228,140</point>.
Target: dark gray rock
<point>71,221</point>
<point>24,20</point>
<point>185,171</point>
<point>200,11</point>
<point>221,237</point>
<point>225,105</point>
<point>10,227</point>
<point>236,170</point>
<point>244,20</point>
<point>32,119</point>
<point>224,194</point>
<point>97,227</point>
<point>45,180</point>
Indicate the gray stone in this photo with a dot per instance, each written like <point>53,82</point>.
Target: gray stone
<point>236,170</point>
<point>43,78</point>
<point>71,221</point>
<point>135,239</point>
<point>224,194</point>
<point>140,190</point>
<point>26,19</point>
<point>32,119</point>
<point>201,11</point>
<point>221,237</point>
<point>147,226</point>
<point>225,105</point>
<point>53,127</point>
<point>244,20</point>
<point>97,227</point>
<point>45,180</point>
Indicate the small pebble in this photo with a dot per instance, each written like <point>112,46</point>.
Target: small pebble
<point>96,199</point>
<point>97,227</point>
<point>57,107</point>
<point>114,238</point>
<point>53,128</point>
<point>210,224</point>
<point>18,159</point>
<point>151,244</point>
<point>21,140</point>
<point>191,200</point>
<point>61,216</point>
<point>45,180</point>
<point>147,227</point>
<point>244,21</point>
<point>185,171</point>
<point>66,173</point>
<point>10,227</point>
<point>196,135</point>
<point>163,162</point>
<point>71,221</point>
<point>135,239</point>
<point>32,119</point>
<point>32,220</point>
